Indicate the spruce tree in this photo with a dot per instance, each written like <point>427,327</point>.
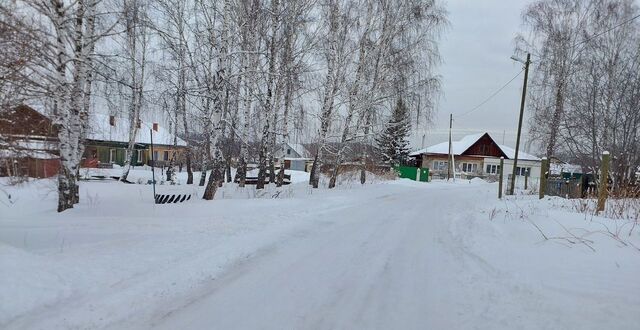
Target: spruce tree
<point>392,143</point>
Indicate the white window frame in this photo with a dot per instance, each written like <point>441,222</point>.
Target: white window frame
<point>493,169</point>
<point>113,154</point>
<point>469,167</point>
<point>139,155</point>
<point>522,171</point>
<point>440,165</point>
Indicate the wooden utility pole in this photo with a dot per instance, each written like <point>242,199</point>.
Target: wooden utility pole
<point>522,101</point>
<point>604,180</point>
<point>450,161</point>
<point>501,177</point>
<point>544,169</point>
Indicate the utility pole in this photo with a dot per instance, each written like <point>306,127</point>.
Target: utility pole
<point>524,95</point>
<point>153,164</point>
<point>449,162</point>
<point>501,178</point>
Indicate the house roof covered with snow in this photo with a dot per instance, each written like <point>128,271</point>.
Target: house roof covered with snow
<point>23,153</point>
<point>300,149</point>
<point>101,129</point>
<point>459,147</point>
<point>293,151</point>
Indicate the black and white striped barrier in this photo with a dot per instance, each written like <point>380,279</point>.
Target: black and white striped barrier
<point>172,198</point>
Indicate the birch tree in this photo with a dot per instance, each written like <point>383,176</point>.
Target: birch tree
<point>217,95</point>
<point>584,94</point>
<point>334,55</point>
<point>136,40</point>
<point>248,20</point>
<point>63,40</point>
<point>556,26</point>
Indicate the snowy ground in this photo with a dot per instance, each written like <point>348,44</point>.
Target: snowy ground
<point>389,255</point>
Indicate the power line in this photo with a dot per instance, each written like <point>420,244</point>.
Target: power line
<point>605,31</point>
<point>491,96</point>
<point>599,34</point>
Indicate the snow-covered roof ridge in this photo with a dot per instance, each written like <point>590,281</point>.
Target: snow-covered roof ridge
<point>100,129</point>
<point>460,146</point>
<point>511,153</point>
<point>457,147</point>
<point>300,149</point>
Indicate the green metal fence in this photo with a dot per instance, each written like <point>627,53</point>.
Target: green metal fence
<point>413,173</point>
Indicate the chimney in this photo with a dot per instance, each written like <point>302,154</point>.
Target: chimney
<point>155,127</point>
<point>112,120</point>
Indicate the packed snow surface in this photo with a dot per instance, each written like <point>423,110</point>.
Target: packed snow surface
<point>389,255</point>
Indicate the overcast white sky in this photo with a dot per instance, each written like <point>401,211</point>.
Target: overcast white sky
<point>476,50</point>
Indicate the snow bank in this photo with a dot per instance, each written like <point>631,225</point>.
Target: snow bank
<point>394,254</point>
<point>552,266</point>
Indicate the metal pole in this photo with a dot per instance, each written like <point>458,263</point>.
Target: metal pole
<point>500,179</point>
<point>153,163</point>
<point>524,95</point>
<point>450,161</point>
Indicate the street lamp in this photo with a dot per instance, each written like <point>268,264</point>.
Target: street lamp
<point>524,94</point>
<point>517,59</point>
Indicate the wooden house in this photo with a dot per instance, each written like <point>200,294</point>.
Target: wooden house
<point>476,155</point>
<point>295,155</point>
<point>28,144</point>
<point>108,138</point>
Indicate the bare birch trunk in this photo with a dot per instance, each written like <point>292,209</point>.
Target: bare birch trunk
<point>220,87</point>
<point>264,153</point>
<point>249,48</point>
<point>136,84</point>
<point>330,91</point>
<point>287,60</point>
<point>353,105</point>
<point>66,176</point>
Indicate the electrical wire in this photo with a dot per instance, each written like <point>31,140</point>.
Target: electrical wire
<point>605,31</point>
<point>491,96</point>
<point>599,34</point>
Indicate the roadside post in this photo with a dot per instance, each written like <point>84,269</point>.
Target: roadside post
<point>501,177</point>
<point>544,170</point>
<point>604,178</point>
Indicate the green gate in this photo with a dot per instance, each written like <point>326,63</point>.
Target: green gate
<point>413,173</point>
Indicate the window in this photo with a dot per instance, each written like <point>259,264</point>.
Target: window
<point>139,155</point>
<point>288,151</point>
<point>155,155</point>
<point>165,155</point>
<point>112,155</point>
<point>469,167</point>
<point>440,165</point>
<point>493,169</point>
<point>522,171</point>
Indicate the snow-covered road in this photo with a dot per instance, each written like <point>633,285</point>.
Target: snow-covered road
<point>375,266</point>
<point>394,261</point>
<point>394,255</point>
